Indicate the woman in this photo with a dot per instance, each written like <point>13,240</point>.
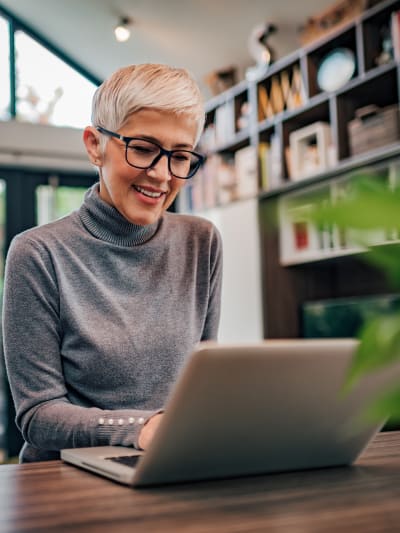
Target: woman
<point>103,306</point>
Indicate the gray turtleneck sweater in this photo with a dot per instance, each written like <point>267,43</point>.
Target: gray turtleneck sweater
<point>99,317</point>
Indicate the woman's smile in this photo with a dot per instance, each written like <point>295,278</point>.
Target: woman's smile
<point>149,195</point>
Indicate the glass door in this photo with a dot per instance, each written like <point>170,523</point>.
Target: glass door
<point>29,199</point>
<point>53,201</point>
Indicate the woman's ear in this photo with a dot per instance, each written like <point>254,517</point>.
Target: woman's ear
<point>91,138</point>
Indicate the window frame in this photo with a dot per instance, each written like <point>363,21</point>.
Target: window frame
<point>16,24</point>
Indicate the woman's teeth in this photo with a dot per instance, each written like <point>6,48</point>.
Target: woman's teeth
<point>150,194</point>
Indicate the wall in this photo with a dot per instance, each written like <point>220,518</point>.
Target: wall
<point>241,314</point>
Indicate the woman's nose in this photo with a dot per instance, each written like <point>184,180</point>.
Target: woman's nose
<point>160,170</point>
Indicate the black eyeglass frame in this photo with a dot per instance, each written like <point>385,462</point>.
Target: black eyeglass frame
<point>163,151</point>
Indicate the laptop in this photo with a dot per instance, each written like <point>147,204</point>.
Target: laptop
<point>240,410</point>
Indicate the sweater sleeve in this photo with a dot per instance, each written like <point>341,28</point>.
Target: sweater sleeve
<point>210,331</point>
<point>32,340</point>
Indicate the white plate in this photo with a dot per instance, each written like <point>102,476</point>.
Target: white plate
<point>336,69</point>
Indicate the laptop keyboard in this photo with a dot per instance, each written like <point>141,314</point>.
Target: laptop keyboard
<point>127,460</point>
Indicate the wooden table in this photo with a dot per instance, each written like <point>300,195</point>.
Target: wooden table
<point>53,496</point>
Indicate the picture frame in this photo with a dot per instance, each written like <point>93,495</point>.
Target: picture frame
<point>309,150</point>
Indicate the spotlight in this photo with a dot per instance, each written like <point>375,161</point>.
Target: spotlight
<point>122,30</point>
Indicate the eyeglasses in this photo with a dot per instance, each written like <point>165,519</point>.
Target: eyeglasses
<point>143,154</point>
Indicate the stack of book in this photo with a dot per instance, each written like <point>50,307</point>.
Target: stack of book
<point>285,92</point>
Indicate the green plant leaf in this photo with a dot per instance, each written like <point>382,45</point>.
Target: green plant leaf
<point>379,346</point>
<point>369,205</point>
<point>387,258</point>
<point>368,211</point>
<point>386,405</point>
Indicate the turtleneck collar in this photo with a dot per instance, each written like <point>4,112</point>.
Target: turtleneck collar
<point>106,223</point>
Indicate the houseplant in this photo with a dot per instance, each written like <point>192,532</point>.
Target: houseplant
<point>372,206</point>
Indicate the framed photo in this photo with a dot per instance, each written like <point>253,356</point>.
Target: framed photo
<point>310,150</point>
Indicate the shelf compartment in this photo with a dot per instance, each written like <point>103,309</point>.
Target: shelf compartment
<point>304,241</point>
<point>346,39</point>
<point>378,37</point>
<point>319,113</point>
<point>282,90</point>
<point>381,91</point>
<point>242,111</point>
<point>301,240</point>
<point>220,133</point>
<point>227,176</point>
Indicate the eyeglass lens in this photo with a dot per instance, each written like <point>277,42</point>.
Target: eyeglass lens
<point>141,154</point>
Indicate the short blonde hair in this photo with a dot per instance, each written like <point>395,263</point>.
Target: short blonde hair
<point>147,85</point>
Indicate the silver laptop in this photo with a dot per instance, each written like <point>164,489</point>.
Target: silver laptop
<point>250,409</point>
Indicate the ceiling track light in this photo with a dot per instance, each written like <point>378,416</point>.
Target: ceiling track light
<point>122,30</point>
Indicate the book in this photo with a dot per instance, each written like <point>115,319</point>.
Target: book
<point>301,235</point>
<point>304,232</point>
<point>395,32</point>
<point>224,124</point>
<point>245,160</point>
<point>275,162</point>
<point>296,96</point>
<point>185,204</point>
<point>226,180</point>
<point>263,157</point>
<point>289,163</point>
<point>264,105</point>
<point>276,96</point>
<point>285,86</point>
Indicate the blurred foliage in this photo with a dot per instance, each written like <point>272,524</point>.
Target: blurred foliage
<point>371,206</point>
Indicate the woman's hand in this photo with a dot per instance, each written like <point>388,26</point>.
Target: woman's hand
<point>148,431</point>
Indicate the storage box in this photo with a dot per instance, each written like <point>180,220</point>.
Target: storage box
<point>373,127</point>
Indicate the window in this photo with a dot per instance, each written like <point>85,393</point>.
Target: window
<point>48,90</point>
<point>53,201</point>
<point>4,70</point>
